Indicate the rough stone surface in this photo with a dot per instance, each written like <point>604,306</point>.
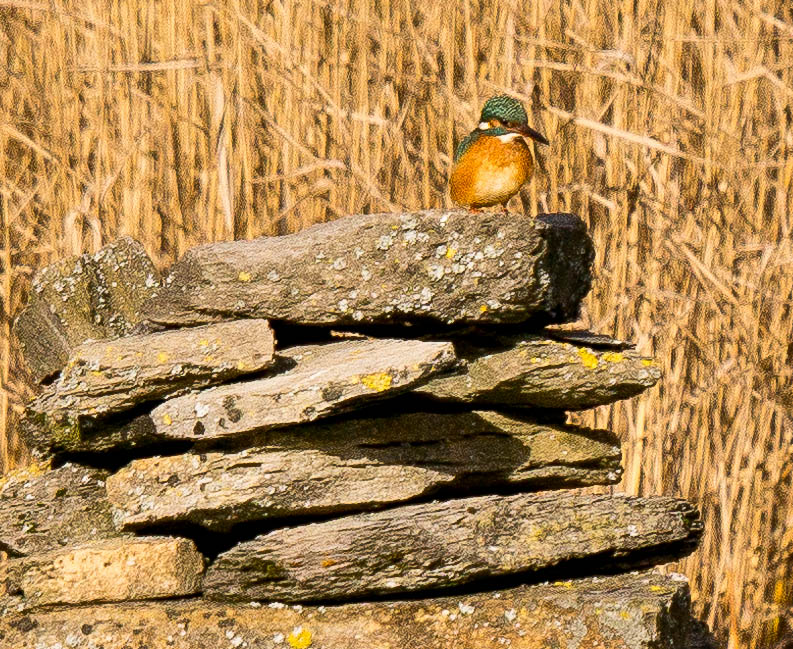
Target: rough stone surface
<point>535,371</point>
<point>443,544</point>
<point>359,464</point>
<point>112,570</point>
<point>635,611</point>
<point>448,266</point>
<point>89,436</point>
<point>324,380</point>
<point>41,509</point>
<point>82,298</point>
<point>106,377</point>
<point>586,338</point>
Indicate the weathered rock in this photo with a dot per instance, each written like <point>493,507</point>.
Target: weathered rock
<point>636,611</point>
<point>82,298</point>
<point>586,338</point>
<point>109,376</point>
<point>90,436</point>
<point>544,373</point>
<point>449,266</point>
<point>325,379</point>
<point>112,570</point>
<point>359,464</point>
<point>443,544</point>
<point>41,509</point>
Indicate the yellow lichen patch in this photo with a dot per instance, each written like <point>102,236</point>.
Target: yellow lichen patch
<point>625,615</point>
<point>162,357</point>
<point>378,382</point>
<point>203,343</point>
<point>655,588</point>
<point>327,563</point>
<point>612,357</point>
<point>241,366</point>
<point>96,372</point>
<point>300,638</point>
<point>566,584</point>
<point>167,420</point>
<point>589,360</point>
<point>209,358</point>
<point>535,359</point>
<point>244,276</point>
<point>647,362</point>
<point>450,252</point>
<point>483,308</point>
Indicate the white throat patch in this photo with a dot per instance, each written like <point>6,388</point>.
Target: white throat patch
<point>508,137</point>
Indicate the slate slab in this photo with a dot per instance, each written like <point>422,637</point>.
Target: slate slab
<point>358,464</point>
<point>43,509</point>
<point>110,570</point>
<point>534,371</point>
<point>633,611</point>
<point>324,380</point>
<point>84,298</point>
<point>444,544</point>
<point>107,377</point>
<point>447,266</point>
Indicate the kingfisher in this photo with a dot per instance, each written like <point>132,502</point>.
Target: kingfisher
<point>494,160</point>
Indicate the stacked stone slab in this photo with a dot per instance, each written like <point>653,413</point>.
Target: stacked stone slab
<point>351,436</point>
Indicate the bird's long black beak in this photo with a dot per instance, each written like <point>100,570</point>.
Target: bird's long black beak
<point>528,131</point>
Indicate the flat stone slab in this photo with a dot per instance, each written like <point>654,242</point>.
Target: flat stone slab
<point>84,298</point>
<point>633,611</point>
<point>112,570</point>
<point>359,464</point>
<point>106,377</point>
<point>324,380</point>
<point>87,435</point>
<point>447,543</point>
<point>545,373</point>
<point>43,510</point>
<point>451,266</point>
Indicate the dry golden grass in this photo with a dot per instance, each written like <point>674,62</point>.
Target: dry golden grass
<point>670,121</point>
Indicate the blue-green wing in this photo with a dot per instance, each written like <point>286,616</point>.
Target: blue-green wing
<point>473,136</point>
<point>466,143</point>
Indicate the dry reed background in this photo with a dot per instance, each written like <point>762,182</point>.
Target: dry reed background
<point>183,122</point>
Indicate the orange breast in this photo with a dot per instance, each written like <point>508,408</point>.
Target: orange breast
<point>490,172</point>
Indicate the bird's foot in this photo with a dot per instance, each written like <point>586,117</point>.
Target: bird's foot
<point>504,209</point>
<point>475,210</point>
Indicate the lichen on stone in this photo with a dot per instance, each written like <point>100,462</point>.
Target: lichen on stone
<point>379,382</point>
<point>299,638</point>
<point>589,359</point>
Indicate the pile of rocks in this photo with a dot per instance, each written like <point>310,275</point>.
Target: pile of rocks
<point>353,436</point>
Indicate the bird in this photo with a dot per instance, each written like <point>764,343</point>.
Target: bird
<point>493,161</point>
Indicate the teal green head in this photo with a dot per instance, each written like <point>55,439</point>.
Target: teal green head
<point>503,111</point>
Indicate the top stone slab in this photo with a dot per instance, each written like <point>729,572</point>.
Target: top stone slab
<point>436,265</point>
